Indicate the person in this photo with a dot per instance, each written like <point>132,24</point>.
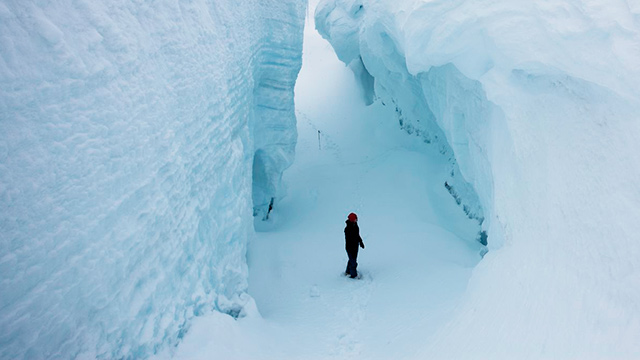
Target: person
<point>352,241</point>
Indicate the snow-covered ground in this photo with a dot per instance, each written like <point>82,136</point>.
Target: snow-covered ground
<point>420,246</point>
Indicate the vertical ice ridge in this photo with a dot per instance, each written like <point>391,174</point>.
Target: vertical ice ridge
<point>275,120</point>
<point>127,135</point>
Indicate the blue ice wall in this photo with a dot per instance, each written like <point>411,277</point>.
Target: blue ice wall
<point>420,101</point>
<point>127,140</point>
<point>274,127</point>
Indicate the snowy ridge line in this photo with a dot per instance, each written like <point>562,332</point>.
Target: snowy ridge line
<point>127,135</point>
<point>536,103</point>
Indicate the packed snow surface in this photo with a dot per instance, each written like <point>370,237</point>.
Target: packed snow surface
<point>420,245</point>
<point>127,138</point>
<point>537,103</point>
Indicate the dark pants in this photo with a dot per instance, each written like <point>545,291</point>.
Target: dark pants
<point>352,264</point>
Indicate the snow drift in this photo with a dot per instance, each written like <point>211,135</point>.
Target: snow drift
<point>536,105</point>
<point>130,133</point>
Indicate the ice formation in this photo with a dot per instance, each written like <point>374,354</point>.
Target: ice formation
<point>536,104</point>
<point>340,23</point>
<point>129,136</point>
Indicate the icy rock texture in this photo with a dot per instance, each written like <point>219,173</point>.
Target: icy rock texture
<point>537,105</point>
<point>127,140</point>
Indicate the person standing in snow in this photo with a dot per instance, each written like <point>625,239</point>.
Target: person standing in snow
<point>352,241</point>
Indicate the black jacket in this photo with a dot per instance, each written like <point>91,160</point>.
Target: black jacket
<point>352,236</point>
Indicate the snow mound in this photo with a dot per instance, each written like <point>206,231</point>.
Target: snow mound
<point>536,106</point>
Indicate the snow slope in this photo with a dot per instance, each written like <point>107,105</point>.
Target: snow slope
<point>538,104</point>
<point>420,246</point>
<point>127,140</point>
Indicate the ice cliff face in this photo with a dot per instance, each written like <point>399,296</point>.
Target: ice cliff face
<point>134,139</point>
<point>536,104</point>
<point>341,23</point>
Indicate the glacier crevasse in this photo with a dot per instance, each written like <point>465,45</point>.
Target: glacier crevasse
<point>536,105</point>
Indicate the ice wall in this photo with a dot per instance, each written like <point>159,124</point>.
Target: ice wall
<point>341,22</point>
<point>537,103</point>
<point>275,132</point>
<point>127,139</point>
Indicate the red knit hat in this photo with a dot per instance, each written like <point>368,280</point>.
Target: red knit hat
<point>352,217</point>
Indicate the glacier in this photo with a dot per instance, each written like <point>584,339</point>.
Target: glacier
<point>140,140</point>
<point>536,106</point>
<point>137,139</point>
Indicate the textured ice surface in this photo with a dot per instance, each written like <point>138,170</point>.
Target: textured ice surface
<point>341,22</point>
<point>537,105</point>
<point>127,140</point>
